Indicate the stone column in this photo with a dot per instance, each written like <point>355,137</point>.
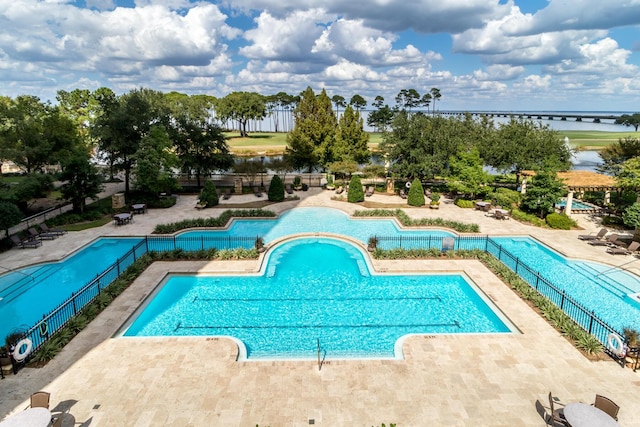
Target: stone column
<point>523,186</point>
<point>607,197</point>
<point>390,188</point>
<point>567,209</point>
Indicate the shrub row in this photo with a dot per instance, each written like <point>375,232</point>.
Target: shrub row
<point>424,222</point>
<point>220,221</point>
<point>466,204</point>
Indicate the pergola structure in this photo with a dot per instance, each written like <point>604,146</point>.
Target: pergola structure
<point>579,181</point>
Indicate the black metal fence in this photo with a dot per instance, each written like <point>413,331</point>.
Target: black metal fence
<point>581,315</point>
<point>39,333</point>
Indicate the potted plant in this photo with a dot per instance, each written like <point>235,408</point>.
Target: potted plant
<point>435,201</point>
<point>373,243</point>
<point>297,183</point>
<point>330,185</point>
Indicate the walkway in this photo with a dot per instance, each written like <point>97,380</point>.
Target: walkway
<point>461,380</point>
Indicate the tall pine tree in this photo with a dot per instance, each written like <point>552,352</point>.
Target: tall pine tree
<point>351,139</point>
<point>311,141</point>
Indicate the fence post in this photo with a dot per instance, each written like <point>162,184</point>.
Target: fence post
<point>593,313</point>
<point>517,264</point>
<point>537,280</point>
<point>562,300</point>
<point>202,242</point>
<point>146,243</point>
<point>118,266</point>
<point>499,253</point>
<point>73,298</point>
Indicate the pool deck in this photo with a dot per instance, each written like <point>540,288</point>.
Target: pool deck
<point>459,380</point>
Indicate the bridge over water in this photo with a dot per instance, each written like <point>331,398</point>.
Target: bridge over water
<point>543,115</point>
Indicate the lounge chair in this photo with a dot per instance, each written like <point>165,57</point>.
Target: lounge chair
<point>57,231</point>
<point>40,399</point>
<point>227,194</point>
<point>607,406</point>
<point>633,247</point>
<point>605,242</point>
<point>288,188</point>
<point>556,416</point>
<point>257,192</point>
<point>599,236</point>
<point>40,236</point>
<point>370,191</point>
<point>23,244</point>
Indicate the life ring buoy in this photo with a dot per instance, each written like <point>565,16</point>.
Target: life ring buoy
<point>615,344</point>
<point>18,354</point>
<point>44,329</point>
<point>408,185</point>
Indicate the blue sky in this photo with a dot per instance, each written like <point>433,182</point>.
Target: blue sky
<point>481,54</point>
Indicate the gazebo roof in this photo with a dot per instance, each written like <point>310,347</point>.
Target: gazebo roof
<point>583,180</point>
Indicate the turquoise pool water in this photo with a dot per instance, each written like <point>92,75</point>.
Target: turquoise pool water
<point>575,204</point>
<point>29,293</point>
<point>316,290</point>
<point>599,287</point>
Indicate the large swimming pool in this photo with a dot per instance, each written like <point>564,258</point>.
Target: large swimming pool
<point>317,292</point>
<point>29,293</point>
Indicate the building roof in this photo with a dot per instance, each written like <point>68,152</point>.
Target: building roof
<point>583,180</point>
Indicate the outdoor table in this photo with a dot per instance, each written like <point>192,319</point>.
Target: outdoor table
<point>32,417</point>
<point>122,218</point>
<point>482,205</point>
<point>585,415</point>
<point>139,208</point>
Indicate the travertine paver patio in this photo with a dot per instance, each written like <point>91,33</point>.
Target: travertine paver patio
<point>471,380</point>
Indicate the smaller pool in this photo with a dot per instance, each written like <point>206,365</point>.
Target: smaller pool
<point>576,204</point>
<point>317,291</point>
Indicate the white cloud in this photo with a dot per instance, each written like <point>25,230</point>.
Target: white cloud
<point>560,15</point>
<point>499,72</point>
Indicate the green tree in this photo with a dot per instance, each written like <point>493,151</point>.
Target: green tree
<point>543,192</point>
<point>357,102</point>
<point>201,147</point>
<point>249,168</point>
<point>209,194</point>
<point>34,134</point>
<point>408,99</point>
<point>631,217</point>
<point>338,101</point>
<point>615,154</point>
<point>125,121</point>
<point>343,168</point>
<point>10,215</point>
<point>436,95</point>
<point>32,186</point>
<point>81,180</point>
<point>466,173</point>
<point>629,120</point>
<point>276,189</point>
<point>426,101</point>
<point>196,107</point>
<point>81,107</point>
<point>524,144</point>
<point>242,107</point>
<point>380,119</point>
<point>355,193</point>
<point>154,161</point>
<point>310,143</point>
<point>629,176</point>
<point>352,142</point>
<point>416,194</point>
<point>421,146</point>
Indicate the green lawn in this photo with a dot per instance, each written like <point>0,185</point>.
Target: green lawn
<point>595,139</point>
<point>272,143</point>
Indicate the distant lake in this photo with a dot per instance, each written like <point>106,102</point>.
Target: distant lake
<point>586,161</point>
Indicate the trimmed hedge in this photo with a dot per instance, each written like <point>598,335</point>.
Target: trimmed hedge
<point>416,194</point>
<point>466,204</point>
<point>424,222</point>
<point>220,221</point>
<point>276,190</point>
<point>560,221</point>
<point>355,193</point>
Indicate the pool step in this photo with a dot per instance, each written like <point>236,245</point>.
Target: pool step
<point>606,282</point>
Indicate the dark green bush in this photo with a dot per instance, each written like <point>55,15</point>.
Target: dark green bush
<point>505,198</point>
<point>297,181</point>
<point>10,215</point>
<point>276,189</point>
<point>416,194</point>
<point>560,221</point>
<point>518,215</point>
<point>356,193</point>
<point>612,220</point>
<point>462,203</point>
<point>209,194</point>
